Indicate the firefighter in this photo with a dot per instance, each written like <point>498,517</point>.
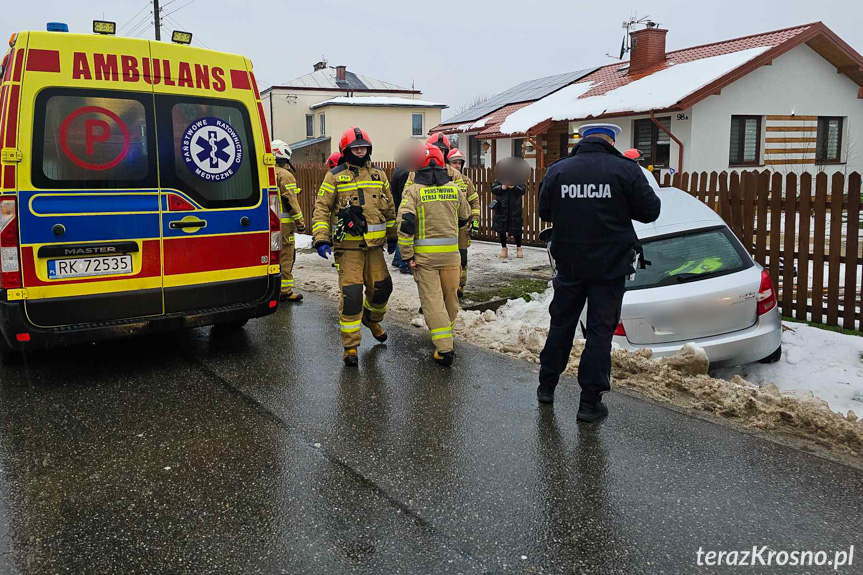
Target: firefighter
<point>456,159</point>
<point>291,215</point>
<point>432,211</point>
<point>355,198</point>
<point>333,160</point>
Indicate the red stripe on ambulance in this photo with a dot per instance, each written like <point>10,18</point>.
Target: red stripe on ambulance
<point>213,253</point>
<point>19,59</point>
<point>240,80</point>
<point>12,116</point>
<point>41,61</point>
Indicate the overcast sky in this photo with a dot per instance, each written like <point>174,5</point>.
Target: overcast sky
<point>452,51</point>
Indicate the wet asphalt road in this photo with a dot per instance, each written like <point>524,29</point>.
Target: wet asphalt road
<point>254,451</point>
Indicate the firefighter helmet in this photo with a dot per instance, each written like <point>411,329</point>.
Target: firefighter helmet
<point>440,140</point>
<point>281,150</point>
<point>354,137</point>
<point>333,160</point>
<point>455,155</point>
<point>434,157</point>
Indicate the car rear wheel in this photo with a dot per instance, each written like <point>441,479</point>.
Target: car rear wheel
<point>773,357</point>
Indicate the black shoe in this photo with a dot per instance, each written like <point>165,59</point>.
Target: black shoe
<point>590,412</point>
<point>545,394</point>
<point>404,270</point>
<point>350,357</point>
<point>446,358</point>
<point>460,293</point>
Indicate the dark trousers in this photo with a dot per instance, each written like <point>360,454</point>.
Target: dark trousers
<point>517,239</point>
<point>604,300</point>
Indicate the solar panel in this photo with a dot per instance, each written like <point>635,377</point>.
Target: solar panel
<point>524,92</point>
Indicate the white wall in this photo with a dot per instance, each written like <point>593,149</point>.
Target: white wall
<point>800,82</point>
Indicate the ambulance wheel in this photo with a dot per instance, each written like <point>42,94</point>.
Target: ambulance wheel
<point>773,357</point>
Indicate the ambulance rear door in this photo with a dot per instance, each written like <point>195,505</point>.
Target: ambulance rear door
<point>88,197</point>
<point>216,216</point>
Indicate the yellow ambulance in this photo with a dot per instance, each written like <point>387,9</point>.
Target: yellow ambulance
<point>137,191</point>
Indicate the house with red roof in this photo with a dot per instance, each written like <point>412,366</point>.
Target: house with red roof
<point>786,100</point>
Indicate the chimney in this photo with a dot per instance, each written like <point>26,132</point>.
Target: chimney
<point>648,48</point>
<point>341,72</point>
<point>320,65</point>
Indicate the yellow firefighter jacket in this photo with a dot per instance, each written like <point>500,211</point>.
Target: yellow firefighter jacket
<point>432,211</point>
<point>367,187</point>
<point>472,197</point>
<point>454,175</point>
<point>291,213</point>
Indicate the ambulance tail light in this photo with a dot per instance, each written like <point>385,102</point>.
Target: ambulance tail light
<point>275,229</point>
<point>10,276</point>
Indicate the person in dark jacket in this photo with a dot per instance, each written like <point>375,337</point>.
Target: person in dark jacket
<point>508,216</point>
<point>591,197</point>
<point>397,186</point>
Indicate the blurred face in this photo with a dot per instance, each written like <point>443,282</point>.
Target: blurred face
<point>360,151</point>
<point>457,164</point>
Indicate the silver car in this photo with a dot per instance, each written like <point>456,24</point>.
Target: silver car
<point>701,286</point>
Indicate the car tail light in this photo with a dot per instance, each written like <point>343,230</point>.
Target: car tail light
<point>766,294</point>
<point>275,229</point>
<point>10,276</point>
<point>619,330</point>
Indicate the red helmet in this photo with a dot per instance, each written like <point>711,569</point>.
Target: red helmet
<point>354,137</point>
<point>632,154</point>
<point>439,139</point>
<point>433,154</point>
<point>333,160</point>
<point>455,155</point>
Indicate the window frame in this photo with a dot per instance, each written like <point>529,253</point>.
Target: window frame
<point>310,125</point>
<point>824,120</point>
<point>654,139</point>
<point>518,147</point>
<point>41,181</point>
<point>322,120</point>
<point>422,124</point>
<point>758,135</point>
<point>168,173</point>
<point>474,141</point>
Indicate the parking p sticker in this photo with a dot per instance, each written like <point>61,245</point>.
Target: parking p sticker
<point>212,149</point>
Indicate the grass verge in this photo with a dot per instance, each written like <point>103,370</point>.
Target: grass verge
<point>516,288</point>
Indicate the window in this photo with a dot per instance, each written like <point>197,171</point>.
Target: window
<point>474,151</point>
<point>310,125</point>
<point>828,148</point>
<point>653,143</point>
<point>745,148</point>
<point>323,121</point>
<point>691,256</point>
<point>85,139</point>
<point>207,151</point>
<point>417,125</point>
<point>517,145</point>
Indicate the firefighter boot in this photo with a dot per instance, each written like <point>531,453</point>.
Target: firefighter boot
<point>444,358</point>
<point>378,332</point>
<point>291,297</point>
<point>350,358</point>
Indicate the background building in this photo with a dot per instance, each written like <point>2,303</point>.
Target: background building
<point>311,112</point>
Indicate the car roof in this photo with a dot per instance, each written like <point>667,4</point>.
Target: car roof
<point>680,212</point>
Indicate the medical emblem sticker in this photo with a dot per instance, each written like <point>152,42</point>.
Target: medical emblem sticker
<point>212,149</point>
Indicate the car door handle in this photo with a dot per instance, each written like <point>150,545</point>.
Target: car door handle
<point>181,225</point>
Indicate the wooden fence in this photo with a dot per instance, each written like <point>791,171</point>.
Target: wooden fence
<point>804,228</point>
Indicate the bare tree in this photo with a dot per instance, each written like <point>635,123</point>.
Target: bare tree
<point>474,101</point>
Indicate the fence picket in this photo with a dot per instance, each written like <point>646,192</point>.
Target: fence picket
<point>818,249</point>
<point>837,199</point>
<point>852,246</point>
<point>803,246</point>
<point>775,227</point>
<point>788,259</point>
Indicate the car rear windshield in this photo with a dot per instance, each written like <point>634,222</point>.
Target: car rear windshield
<point>690,256</point>
<point>206,150</point>
<point>93,139</point>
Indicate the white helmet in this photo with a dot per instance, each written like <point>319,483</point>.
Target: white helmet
<point>282,150</point>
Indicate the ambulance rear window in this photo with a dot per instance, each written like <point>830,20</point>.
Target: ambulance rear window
<point>93,139</point>
<point>207,150</point>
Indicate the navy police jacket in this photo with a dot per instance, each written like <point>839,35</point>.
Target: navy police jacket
<point>591,197</point>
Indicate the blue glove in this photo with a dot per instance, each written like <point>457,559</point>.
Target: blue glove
<point>391,246</point>
<point>324,250</point>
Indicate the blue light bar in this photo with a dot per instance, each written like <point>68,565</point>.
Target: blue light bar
<point>57,27</point>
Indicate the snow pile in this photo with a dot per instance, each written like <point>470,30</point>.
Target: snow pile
<point>377,101</point>
<point>824,363</point>
<point>657,91</point>
<point>520,329</point>
<point>302,241</point>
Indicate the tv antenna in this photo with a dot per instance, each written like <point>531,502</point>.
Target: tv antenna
<point>630,25</point>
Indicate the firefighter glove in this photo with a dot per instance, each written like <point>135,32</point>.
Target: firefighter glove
<point>474,229</point>
<point>324,250</point>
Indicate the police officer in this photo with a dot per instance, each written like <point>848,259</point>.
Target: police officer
<point>456,159</point>
<point>355,195</point>
<point>591,197</point>
<point>432,211</point>
<point>291,216</point>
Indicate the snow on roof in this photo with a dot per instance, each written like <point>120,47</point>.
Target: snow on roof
<point>657,91</point>
<point>326,79</point>
<point>377,101</point>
